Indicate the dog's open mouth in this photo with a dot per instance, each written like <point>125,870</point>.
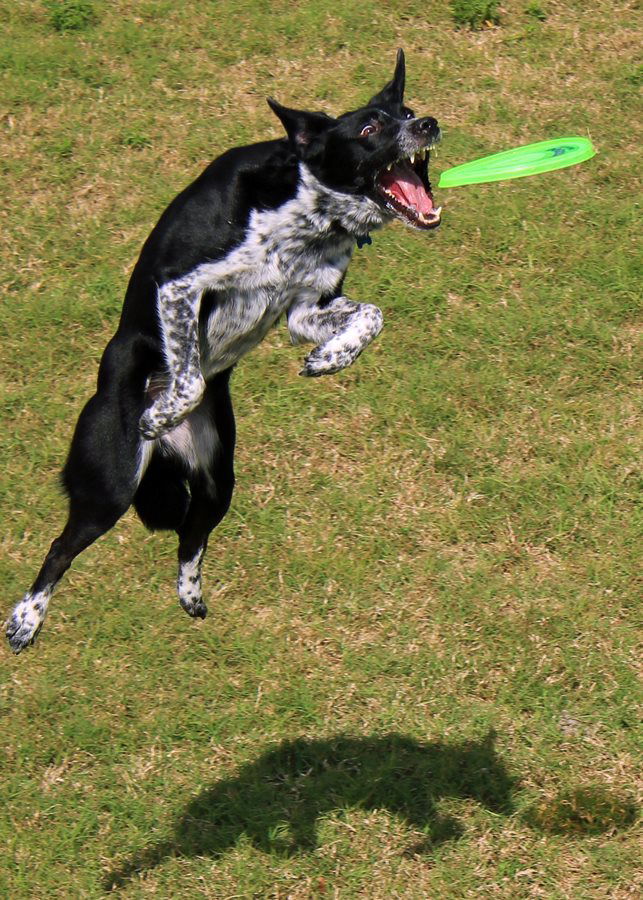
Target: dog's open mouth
<point>406,189</point>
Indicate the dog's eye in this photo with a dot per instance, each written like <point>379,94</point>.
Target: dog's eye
<point>369,129</point>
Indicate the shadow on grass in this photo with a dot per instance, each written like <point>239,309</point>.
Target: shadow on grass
<point>276,800</point>
<point>583,811</point>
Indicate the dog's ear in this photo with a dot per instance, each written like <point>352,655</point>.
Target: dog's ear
<point>393,92</point>
<point>301,127</point>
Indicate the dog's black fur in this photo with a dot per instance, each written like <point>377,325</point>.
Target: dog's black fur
<point>265,230</point>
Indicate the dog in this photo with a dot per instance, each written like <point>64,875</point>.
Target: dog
<point>266,230</point>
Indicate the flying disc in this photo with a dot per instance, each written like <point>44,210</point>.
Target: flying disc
<point>532,159</point>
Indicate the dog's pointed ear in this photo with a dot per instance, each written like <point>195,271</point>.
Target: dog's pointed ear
<point>301,127</point>
<point>393,92</point>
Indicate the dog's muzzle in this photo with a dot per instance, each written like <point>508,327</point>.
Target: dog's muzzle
<point>403,183</point>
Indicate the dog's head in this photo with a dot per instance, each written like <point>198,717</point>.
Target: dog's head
<point>380,151</point>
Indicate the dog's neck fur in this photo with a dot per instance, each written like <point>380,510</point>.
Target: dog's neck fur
<point>329,210</point>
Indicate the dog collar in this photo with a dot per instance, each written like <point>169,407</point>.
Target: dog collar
<point>362,239</point>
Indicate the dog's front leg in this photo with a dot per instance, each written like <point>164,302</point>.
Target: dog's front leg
<point>340,328</point>
<point>178,313</point>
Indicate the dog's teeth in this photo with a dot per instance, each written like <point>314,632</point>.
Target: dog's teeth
<point>412,158</point>
<point>438,211</point>
<point>389,167</point>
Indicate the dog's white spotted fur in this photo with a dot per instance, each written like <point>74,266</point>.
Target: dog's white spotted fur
<point>27,617</point>
<point>189,586</point>
<point>341,329</point>
<point>290,258</point>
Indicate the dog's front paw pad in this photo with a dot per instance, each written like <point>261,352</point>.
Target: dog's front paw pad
<point>195,608</point>
<point>23,626</point>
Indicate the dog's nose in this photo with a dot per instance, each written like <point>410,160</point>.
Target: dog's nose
<point>427,127</point>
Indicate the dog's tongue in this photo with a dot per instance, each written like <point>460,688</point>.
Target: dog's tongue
<point>405,185</point>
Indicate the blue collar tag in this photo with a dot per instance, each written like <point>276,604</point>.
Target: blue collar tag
<point>362,240</point>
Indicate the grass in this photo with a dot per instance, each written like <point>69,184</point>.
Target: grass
<point>475,13</point>
<point>418,677</point>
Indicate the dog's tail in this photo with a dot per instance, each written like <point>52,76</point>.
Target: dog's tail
<point>163,496</point>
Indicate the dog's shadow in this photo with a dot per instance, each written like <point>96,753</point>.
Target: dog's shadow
<point>277,800</point>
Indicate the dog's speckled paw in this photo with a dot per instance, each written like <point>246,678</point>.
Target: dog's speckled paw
<point>157,421</point>
<point>23,626</point>
<point>324,362</point>
<point>151,427</point>
<point>195,608</point>
<point>171,408</point>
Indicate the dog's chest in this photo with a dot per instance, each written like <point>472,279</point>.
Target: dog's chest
<point>282,261</point>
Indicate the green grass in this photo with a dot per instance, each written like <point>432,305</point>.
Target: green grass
<point>418,677</point>
<point>475,13</point>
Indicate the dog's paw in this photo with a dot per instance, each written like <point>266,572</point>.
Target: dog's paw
<point>324,362</point>
<point>171,408</point>
<point>194,608</point>
<point>155,423</point>
<point>341,350</point>
<point>189,586</point>
<point>24,624</point>
<point>160,419</point>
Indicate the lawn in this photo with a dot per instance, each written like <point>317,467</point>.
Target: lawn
<point>418,675</point>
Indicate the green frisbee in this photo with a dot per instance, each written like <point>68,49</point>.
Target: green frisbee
<point>532,159</point>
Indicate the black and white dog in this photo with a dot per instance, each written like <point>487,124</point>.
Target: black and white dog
<point>265,230</point>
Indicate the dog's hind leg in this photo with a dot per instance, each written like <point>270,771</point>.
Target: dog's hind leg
<point>82,529</point>
<point>207,509</point>
<point>211,484</point>
<point>100,479</point>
